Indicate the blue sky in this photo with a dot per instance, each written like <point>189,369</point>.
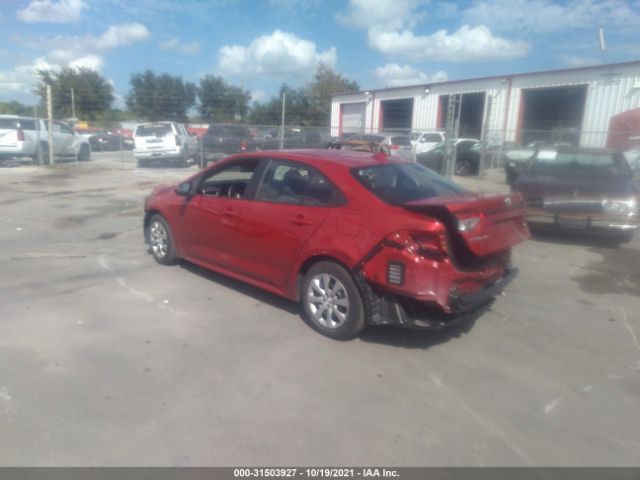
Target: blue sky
<point>260,44</point>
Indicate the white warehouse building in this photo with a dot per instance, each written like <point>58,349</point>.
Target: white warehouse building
<point>578,105</point>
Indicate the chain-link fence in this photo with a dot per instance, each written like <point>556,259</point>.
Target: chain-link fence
<point>149,144</point>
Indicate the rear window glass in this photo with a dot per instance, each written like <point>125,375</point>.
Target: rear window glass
<point>404,141</point>
<point>432,137</point>
<point>10,123</point>
<point>579,163</point>
<point>405,182</point>
<point>158,130</point>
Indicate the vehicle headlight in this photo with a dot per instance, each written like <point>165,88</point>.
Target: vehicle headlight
<point>626,207</point>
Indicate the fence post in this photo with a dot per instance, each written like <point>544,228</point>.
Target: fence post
<point>50,122</point>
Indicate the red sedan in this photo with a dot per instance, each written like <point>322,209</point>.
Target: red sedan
<point>358,239</point>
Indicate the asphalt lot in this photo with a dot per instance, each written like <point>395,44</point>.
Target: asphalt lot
<point>107,358</point>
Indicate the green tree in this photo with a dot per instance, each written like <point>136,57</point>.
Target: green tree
<point>221,102</point>
<point>160,96</point>
<point>324,85</point>
<point>93,94</point>
<point>297,108</point>
<point>15,108</point>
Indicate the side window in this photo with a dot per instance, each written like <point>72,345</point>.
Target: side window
<point>283,183</point>
<point>56,128</point>
<point>230,182</point>
<point>62,128</point>
<point>294,184</point>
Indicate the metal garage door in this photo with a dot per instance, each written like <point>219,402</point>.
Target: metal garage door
<point>352,120</point>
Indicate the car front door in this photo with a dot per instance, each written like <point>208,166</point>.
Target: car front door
<point>208,221</point>
<point>63,139</point>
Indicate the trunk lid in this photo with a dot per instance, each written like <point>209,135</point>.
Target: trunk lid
<point>487,223</point>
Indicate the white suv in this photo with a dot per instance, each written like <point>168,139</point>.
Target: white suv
<point>29,137</point>
<point>161,141</point>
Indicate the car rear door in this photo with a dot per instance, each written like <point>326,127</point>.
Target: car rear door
<point>63,139</point>
<point>292,202</point>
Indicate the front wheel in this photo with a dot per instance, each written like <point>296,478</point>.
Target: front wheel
<point>332,302</point>
<point>161,240</point>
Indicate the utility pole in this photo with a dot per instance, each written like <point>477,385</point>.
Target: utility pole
<point>73,106</point>
<point>453,125</point>
<point>284,102</point>
<point>603,47</point>
<point>50,123</point>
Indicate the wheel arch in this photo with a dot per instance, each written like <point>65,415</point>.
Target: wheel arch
<point>310,262</point>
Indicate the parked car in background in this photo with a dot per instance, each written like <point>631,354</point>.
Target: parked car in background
<point>222,140</point>
<point>104,141</point>
<point>468,153</point>
<point>159,142</point>
<point>294,138</point>
<point>392,144</point>
<point>581,189</point>
<point>357,238</point>
<point>28,137</point>
<point>425,141</point>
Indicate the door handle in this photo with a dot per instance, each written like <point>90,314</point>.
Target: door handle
<point>301,220</point>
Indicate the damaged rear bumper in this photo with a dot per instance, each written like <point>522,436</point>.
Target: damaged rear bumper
<point>394,309</point>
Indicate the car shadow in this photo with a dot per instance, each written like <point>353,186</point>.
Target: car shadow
<point>583,239</point>
<point>244,288</point>
<point>390,335</point>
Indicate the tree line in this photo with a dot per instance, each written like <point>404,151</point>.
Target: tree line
<point>161,96</point>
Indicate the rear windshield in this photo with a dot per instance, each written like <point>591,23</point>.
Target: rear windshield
<point>404,141</point>
<point>11,123</point>
<point>405,182</point>
<point>158,130</point>
<point>592,164</point>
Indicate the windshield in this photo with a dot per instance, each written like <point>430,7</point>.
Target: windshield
<point>158,130</point>
<point>405,182</point>
<point>593,164</point>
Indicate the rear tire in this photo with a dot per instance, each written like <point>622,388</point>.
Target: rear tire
<point>85,153</point>
<point>463,168</point>
<point>332,302</point>
<point>41,156</point>
<point>160,240</point>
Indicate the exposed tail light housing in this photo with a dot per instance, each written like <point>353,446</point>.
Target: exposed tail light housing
<point>467,221</point>
<point>428,244</point>
<point>20,135</point>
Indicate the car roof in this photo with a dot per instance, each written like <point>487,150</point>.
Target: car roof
<point>328,157</point>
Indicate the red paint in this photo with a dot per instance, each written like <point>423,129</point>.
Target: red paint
<point>266,243</point>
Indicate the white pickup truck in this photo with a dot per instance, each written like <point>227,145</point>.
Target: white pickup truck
<point>29,137</point>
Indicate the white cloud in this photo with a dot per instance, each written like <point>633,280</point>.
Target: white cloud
<point>277,54</point>
<point>183,48</point>
<point>544,16</point>
<point>258,95</point>
<point>119,35</point>
<point>92,62</point>
<point>23,77</point>
<point>468,43</point>
<point>394,75</point>
<point>392,14</point>
<point>62,11</point>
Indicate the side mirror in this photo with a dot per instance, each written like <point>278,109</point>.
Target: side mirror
<point>184,189</point>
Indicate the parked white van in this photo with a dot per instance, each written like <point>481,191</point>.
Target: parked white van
<point>163,141</point>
